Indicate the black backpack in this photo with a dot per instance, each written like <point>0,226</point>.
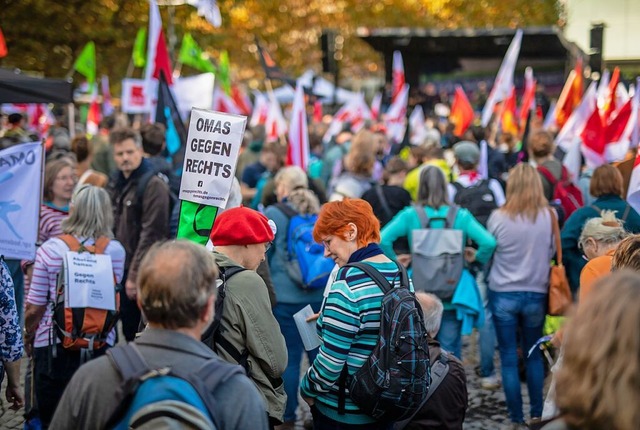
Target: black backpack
<point>477,199</point>
<point>394,381</point>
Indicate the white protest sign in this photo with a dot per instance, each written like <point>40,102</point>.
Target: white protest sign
<point>211,155</point>
<point>89,281</point>
<point>20,179</point>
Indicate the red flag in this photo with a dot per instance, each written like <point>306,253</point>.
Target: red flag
<point>317,111</point>
<point>617,124</point>
<point>528,98</point>
<point>508,120</point>
<point>397,75</point>
<point>3,45</point>
<point>93,116</point>
<point>260,110</point>
<point>610,100</point>
<point>240,99</point>
<point>162,61</point>
<point>571,95</point>
<point>461,112</point>
<point>593,135</point>
<point>376,103</point>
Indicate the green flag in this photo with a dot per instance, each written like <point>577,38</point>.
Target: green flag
<point>196,221</point>
<point>139,48</point>
<point>191,54</point>
<point>86,62</point>
<point>224,72</point>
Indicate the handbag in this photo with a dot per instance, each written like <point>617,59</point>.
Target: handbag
<point>559,292</point>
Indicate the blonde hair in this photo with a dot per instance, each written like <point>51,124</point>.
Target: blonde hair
<point>362,154</point>
<point>292,177</point>
<point>598,385</point>
<point>605,229</point>
<point>90,214</point>
<point>525,195</point>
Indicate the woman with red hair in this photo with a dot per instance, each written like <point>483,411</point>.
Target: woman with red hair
<point>349,321</point>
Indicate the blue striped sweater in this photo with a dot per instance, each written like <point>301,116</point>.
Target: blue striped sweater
<point>348,326</point>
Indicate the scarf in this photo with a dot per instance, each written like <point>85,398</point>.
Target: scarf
<point>371,250</point>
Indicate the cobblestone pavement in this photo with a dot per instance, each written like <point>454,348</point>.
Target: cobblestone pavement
<point>487,409</point>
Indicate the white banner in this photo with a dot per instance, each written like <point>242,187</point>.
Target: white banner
<point>89,280</point>
<point>133,100</point>
<point>20,184</point>
<point>211,155</point>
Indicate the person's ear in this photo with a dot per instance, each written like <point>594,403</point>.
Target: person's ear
<point>209,310</point>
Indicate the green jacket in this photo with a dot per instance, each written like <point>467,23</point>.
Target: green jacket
<point>249,325</point>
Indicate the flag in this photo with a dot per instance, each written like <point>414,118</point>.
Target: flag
<point>223,103</point>
<point>593,136</point>
<point>93,115</point>
<point>191,54</point>
<point>162,62</point>
<point>508,122</point>
<point>633,192</point>
<point>376,103</point>
<point>271,70</point>
<point>137,54</point>
<point>610,98</point>
<point>396,116</point>
<point>461,112</point>
<point>260,109</point>
<point>398,79</point>
<point>550,120</point>
<point>224,72</point>
<point>603,90</point>
<point>298,150</point>
<point>167,113</point>
<point>528,98</point>
<point>576,122</point>
<point>107,107</point>
<point>275,123</point>
<point>209,10</point>
<point>317,111</point>
<point>417,127</point>
<point>3,45</point>
<point>86,62</point>
<point>155,29</point>
<point>483,163</point>
<point>504,80</point>
<point>241,100</point>
<point>621,132</point>
<point>570,96</point>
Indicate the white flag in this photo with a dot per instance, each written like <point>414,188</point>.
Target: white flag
<point>298,151</point>
<point>417,127</point>
<point>504,80</point>
<point>395,118</point>
<point>20,190</point>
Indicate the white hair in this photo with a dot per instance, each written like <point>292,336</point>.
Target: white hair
<point>432,310</point>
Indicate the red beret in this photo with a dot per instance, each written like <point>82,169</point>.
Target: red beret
<point>241,226</point>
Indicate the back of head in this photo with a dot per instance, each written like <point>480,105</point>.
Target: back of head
<point>432,188</point>
<point>541,144</point>
<point>291,178</point>
<point>597,385</point>
<point>15,118</point>
<point>394,166</point>
<point>627,254</point>
<point>108,122</point>
<point>175,281</point>
<point>606,179</point>
<point>90,213</point>
<point>605,229</point>
<point>525,195</point>
<point>153,138</point>
<point>81,146</point>
<point>362,154</point>
<point>432,309</point>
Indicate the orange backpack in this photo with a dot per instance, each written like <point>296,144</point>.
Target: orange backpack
<point>79,328</point>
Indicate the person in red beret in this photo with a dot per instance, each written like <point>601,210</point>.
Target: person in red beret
<point>249,333</point>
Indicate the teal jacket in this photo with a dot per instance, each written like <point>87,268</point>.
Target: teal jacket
<point>407,220</point>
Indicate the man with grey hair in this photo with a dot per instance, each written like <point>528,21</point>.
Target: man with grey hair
<point>176,291</point>
<point>447,401</point>
<point>141,217</point>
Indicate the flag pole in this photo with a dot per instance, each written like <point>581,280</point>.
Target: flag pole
<point>269,86</point>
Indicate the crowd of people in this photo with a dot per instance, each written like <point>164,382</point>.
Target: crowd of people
<point>476,241</point>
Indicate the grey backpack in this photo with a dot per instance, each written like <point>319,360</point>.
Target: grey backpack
<point>437,255</point>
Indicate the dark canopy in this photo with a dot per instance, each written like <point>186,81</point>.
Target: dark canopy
<point>20,88</point>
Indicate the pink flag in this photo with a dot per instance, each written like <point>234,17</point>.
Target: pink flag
<point>298,150</point>
<point>504,80</point>
<point>398,79</point>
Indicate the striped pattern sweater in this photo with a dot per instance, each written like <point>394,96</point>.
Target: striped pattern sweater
<point>348,326</point>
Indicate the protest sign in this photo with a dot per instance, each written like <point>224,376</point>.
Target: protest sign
<point>89,280</point>
<point>213,145</point>
<point>20,185</point>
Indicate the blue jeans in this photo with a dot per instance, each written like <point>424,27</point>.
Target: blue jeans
<point>525,311</point>
<point>449,336</point>
<point>291,376</point>
<point>486,333</point>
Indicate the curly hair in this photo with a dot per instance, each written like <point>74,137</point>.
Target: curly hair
<point>598,385</point>
<point>335,217</point>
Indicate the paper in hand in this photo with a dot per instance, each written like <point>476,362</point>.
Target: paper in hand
<point>306,329</point>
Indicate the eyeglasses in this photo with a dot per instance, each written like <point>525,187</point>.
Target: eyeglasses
<point>267,246</point>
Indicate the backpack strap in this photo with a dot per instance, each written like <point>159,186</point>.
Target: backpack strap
<point>548,175</point>
<point>626,213</point>
<point>101,244</point>
<point>452,213</point>
<point>439,370</point>
<point>596,208</point>
<point>383,201</point>
<point>286,209</point>
<point>422,215</point>
<point>69,240</point>
<point>374,274</point>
